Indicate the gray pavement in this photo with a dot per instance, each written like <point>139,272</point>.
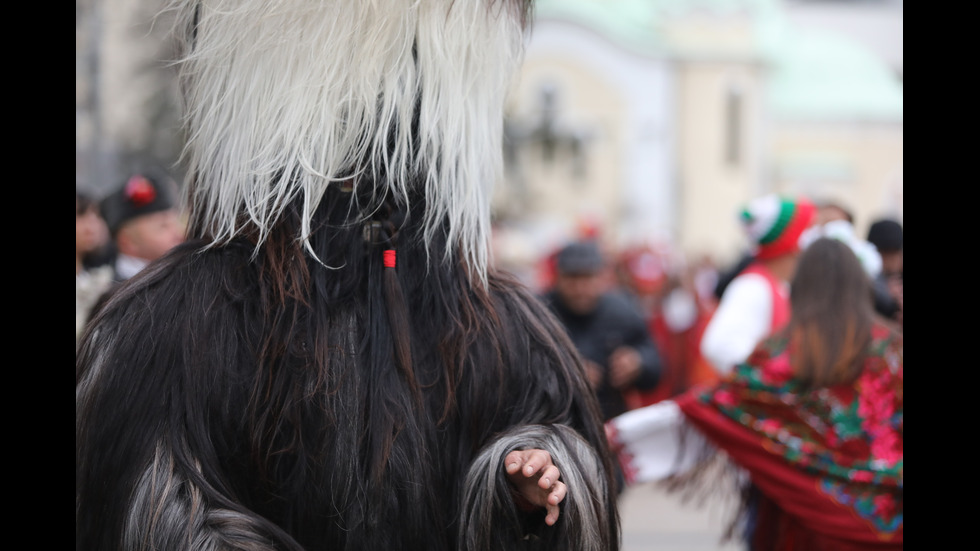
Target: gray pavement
<point>653,520</point>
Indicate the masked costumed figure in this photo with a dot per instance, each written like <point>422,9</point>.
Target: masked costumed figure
<point>330,361</point>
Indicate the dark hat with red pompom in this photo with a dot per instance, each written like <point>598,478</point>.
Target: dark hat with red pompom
<point>142,193</point>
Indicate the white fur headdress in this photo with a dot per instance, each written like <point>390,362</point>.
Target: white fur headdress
<point>285,97</point>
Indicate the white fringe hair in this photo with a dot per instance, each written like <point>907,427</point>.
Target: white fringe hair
<point>284,96</point>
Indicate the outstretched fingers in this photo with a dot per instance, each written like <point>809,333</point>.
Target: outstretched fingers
<point>537,480</point>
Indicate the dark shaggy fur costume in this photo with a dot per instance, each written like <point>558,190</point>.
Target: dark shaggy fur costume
<point>217,407</point>
<point>270,384</point>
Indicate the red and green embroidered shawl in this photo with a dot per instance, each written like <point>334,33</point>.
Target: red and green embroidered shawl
<point>829,460</point>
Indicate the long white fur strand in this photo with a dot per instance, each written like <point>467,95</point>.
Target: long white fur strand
<point>282,96</point>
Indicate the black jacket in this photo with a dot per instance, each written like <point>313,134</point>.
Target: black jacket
<point>615,322</point>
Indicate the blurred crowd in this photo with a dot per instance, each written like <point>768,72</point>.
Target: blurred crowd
<point>790,361</point>
<point>678,297</point>
<point>120,233</point>
<point>690,331</point>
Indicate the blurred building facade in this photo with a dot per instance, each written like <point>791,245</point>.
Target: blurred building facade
<point>126,107</point>
<point>875,24</point>
<point>650,119</point>
<point>656,119</point>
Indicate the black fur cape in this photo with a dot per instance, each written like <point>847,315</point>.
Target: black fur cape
<point>225,401</point>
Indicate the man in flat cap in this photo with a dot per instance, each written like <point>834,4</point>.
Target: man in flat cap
<point>605,326</point>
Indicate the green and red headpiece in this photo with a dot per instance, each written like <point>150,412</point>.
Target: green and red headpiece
<point>774,224</point>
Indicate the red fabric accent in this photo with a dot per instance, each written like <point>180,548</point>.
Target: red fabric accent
<point>683,366</point>
<point>389,258</point>
<point>672,376</point>
<point>789,241</point>
<point>700,371</point>
<point>780,298</point>
<point>814,520</point>
<point>547,271</point>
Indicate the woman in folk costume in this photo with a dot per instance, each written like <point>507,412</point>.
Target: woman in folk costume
<point>812,423</point>
<point>329,361</point>
<point>756,302</point>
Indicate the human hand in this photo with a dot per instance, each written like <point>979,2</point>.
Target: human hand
<point>624,367</point>
<point>536,480</point>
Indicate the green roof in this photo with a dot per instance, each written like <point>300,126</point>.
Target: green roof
<point>632,24</point>
<point>821,75</point>
<point>814,75</point>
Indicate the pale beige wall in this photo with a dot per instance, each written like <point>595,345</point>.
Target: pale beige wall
<point>126,93</point>
<point>586,104</point>
<point>138,85</point>
<point>710,188</point>
<point>711,35</point>
<point>857,165</point>
<point>709,191</point>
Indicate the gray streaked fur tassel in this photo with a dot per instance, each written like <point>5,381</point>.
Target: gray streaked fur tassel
<point>171,512</point>
<point>489,515</point>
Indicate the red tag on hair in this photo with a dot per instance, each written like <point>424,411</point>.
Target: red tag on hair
<point>389,258</point>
